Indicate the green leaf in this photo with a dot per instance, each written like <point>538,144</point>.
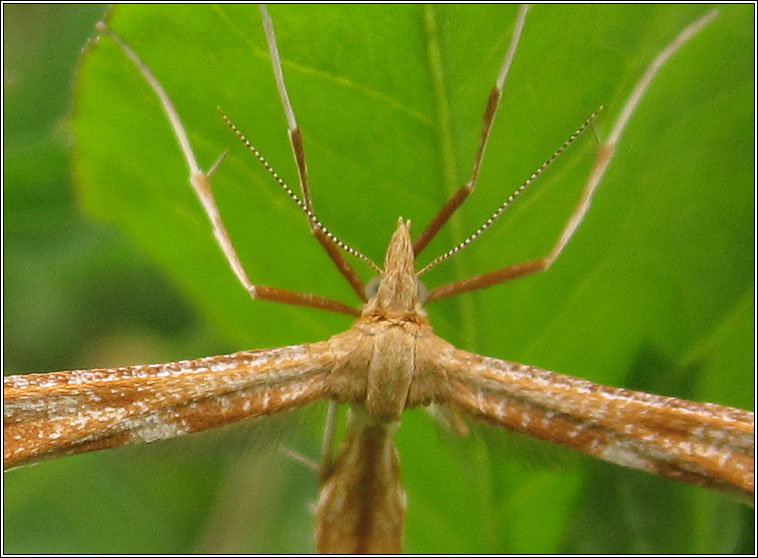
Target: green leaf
<point>654,292</point>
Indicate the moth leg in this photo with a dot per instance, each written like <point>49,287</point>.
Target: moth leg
<point>298,151</point>
<point>299,457</point>
<point>327,445</point>
<point>604,157</point>
<point>200,182</point>
<point>489,117</point>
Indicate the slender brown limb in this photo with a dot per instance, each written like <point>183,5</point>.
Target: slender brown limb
<point>284,296</point>
<point>215,166</point>
<point>326,460</point>
<point>487,279</point>
<point>200,182</point>
<point>298,151</point>
<point>347,270</point>
<point>510,199</point>
<point>603,160</point>
<point>295,135</point>
<point>312,219</point>
<point>489,117</point>
<point>299,457</point>
<point>442,217</point>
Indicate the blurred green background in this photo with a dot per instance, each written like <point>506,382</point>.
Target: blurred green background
<point>655,293</point>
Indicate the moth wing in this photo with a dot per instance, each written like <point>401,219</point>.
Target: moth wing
<point>62,413</point>
<point>699,443</point>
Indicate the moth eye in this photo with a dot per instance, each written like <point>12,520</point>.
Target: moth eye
<point>372,287</point>
<point>421,292</point>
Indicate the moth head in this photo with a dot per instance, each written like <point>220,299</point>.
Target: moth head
<point>397,289</point>
<point>372,288</point>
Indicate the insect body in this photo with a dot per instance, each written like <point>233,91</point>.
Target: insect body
<point>385,408</point>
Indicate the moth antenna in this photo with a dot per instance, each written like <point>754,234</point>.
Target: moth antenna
<point>200,182</point>
<point>520,190</point>
<point>312,219</point>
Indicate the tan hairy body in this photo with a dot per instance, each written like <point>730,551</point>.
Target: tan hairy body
<point>369,366</point>
<point>388,362</point>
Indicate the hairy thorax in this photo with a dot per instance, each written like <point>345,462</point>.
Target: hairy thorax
<point>381,363</point>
